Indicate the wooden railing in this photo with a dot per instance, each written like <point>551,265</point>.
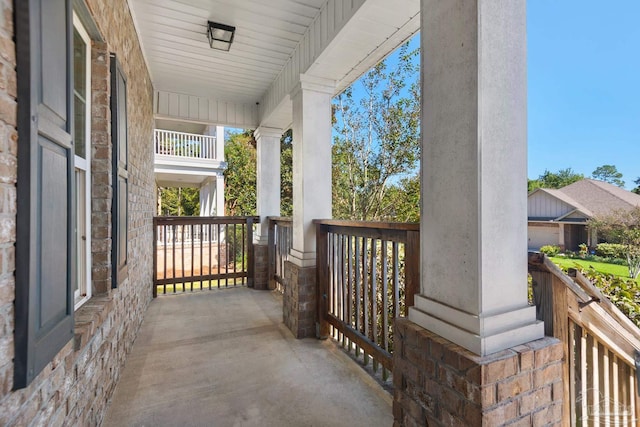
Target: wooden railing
<point>368,274</point>
<point>601,346</point>
<point>197,253</point>
<point>280,240</point>
<point>180,144</point>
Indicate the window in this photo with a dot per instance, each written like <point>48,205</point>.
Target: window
<point>120,158</point>
<point>82,159</point>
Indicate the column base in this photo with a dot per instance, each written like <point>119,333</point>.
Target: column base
<point>260,267</point>
<point>481,334</point>
<point>439,383</point>
<point>299,303</point>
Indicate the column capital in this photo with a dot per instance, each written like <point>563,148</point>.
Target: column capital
<point>313,83</point>
<point>267,132</point>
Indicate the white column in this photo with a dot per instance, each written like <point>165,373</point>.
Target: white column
<point>474,157</point>
<point>219,196</point>
<point>268,178</point>
<point>207,197</point>
<point>220,143</point>
<point>311,101</point>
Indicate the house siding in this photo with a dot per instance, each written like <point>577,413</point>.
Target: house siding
<point>75,388</point>
<point>543,205</point>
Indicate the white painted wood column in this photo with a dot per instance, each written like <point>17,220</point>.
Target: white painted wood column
<point>207,198</point>
<point>219,202</point>
<point>268,178</point>
<point>311,101</point>
<point>474,172</point>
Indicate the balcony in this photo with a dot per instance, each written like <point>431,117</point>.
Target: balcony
<point>186,159</point>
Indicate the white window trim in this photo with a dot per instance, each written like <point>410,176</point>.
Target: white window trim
<point>85,165</point>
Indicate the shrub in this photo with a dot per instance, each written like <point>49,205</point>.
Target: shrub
<point>550,250</point>
<point>611,250</point>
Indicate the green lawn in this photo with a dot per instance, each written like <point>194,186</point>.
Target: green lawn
<point>601,267</point>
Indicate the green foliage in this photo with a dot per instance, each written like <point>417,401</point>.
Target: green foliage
<point>286,174</point>
<point>623,293</point>
<point>611,250</point>
<point>637,189</point>
<point>402,200</point>
<point>550,250</point>
<point>178,201</point>
<point>608,173</point>
<point>622,227</point>
<point>559,179</point>
<point>376,141</point>
<point>240,175</point>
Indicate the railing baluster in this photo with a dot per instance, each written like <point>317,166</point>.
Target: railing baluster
<point>357,267</point>
<point>385,303</point>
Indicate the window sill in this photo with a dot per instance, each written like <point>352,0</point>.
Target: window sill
<point>89,318</point>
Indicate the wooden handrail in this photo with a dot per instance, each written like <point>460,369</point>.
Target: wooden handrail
<point>599,340</point>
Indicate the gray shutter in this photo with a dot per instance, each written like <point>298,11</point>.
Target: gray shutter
<point>45,255</point>
<point>120,159</point>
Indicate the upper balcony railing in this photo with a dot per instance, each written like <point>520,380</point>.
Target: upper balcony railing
<point>181,144</point>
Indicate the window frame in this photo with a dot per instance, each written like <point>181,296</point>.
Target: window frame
<point>83,261</point>
<point>120,174</point>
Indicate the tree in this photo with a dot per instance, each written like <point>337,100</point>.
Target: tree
<point>178,201</point>
<point>608,173</point>
<point>622,227</point>
<point>402,200</point>
<point>559,179</point>
<point>286,174</point>
<point>637,189</point>
<point>240,175</point>
<point>376,139</point>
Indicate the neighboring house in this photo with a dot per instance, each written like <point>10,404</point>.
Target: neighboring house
<point>559,217</point>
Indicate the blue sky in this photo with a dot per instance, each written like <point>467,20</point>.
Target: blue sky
<point>584,86</point>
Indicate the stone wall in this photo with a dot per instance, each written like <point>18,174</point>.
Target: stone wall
<point>75,388</point>
<point>299,300</point>
<point>438,383</point>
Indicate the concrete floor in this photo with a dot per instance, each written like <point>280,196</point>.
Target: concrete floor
<point>224,358</point>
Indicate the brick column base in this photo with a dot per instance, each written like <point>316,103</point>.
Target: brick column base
<point>438,383</point>
<point>260,267</point>
<point>299,300</point>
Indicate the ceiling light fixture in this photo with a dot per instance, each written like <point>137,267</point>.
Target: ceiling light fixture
<point>220,36</point>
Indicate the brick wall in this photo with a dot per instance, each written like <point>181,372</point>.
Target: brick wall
<point>261,267</point>
<point>299,300</point>
<point>8,170</point>
<point>75,388</point>
<point>438,383</point>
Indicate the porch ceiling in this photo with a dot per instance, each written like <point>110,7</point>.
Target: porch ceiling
<point>274,43</point>
<point>174,39</point>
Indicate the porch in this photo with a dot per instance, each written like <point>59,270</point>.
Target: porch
<point>225,358</point>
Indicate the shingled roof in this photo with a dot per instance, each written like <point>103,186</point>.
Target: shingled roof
<point>599,197</point>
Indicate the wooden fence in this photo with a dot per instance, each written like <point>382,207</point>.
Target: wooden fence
<point>280,240</point>
<point>197,253</point>
<point>601,347</point>
<point>368,274</point>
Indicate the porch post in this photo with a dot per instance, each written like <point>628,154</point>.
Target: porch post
<point>472,318</point>
<point>219,201</point>
<point>268,197</point>
<point>311,100</point>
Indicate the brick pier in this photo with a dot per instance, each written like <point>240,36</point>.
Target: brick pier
<point>438,383</point>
